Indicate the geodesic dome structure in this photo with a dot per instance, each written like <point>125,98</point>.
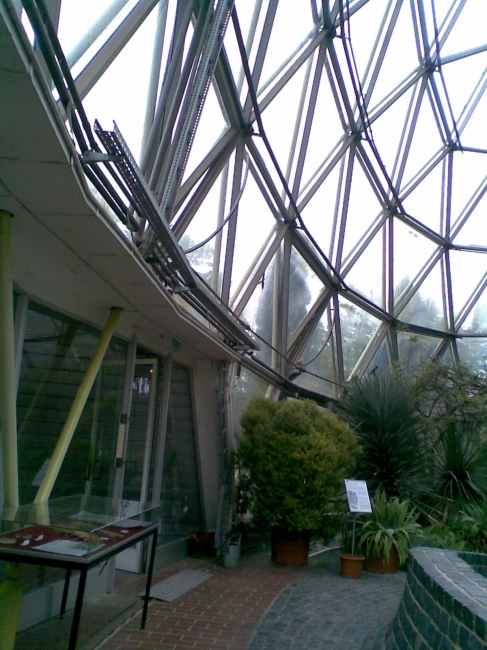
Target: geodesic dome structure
<point>307,178</point>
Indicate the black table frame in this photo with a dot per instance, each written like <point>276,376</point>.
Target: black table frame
<point>83,565</point>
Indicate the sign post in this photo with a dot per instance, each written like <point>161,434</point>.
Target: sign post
<point>358,502</point>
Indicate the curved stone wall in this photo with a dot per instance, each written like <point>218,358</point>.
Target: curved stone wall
<point>444,605</point>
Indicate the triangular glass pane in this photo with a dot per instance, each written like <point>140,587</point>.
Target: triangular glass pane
<point>318,214</point>
<point>279,118</point>
<point>205,221</point>
<point>366,274</point>
<point>474,231</point>
<point>387,129</point>
<point>426,141</point>
<point>476,322</point>
<point>415,350</point>
<point>254,225</point>
<point>400,60</point>
<point>364,209</point>
<point>316,364</point>
<point>357,327</point>
<point>258,313</point>
<point>120,95</point>
<point>473,353</point>
<point>469,172</point>
<point>466,270</point>
<point>380,359</point>
<point>77,19</point>
<point>474,134</point>
<point>326,130</point>
<point>290,28</point>
<point>461,77</point>
<point>411,253</point>
<point>361,35</point>
<point>210,129</point>
<point>424,203</point>
<point>468,31</point>
<point>426,306</point>
<point>304,289</point>
<point>246,386</point>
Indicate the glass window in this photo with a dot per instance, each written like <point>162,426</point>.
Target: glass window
<point>56,354</point>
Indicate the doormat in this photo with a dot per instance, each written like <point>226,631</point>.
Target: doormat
<point>177,585</point>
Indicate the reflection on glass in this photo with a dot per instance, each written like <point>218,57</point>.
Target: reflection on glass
<point>56,354</point>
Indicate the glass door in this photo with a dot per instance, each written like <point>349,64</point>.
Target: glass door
<point>138,451</point>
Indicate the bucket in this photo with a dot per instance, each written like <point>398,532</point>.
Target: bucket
<point>231,556</point>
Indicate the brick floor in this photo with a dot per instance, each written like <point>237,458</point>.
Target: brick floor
<point>259,606</point>
<point>221,613</point>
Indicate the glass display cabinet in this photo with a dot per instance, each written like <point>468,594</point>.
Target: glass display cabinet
<point>76,533</point>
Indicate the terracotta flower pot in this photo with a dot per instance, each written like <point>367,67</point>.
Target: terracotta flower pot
<point>289,547</point>
<point>351,565</point>
<point>379,564</point>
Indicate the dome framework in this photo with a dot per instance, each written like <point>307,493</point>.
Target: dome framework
<point>316,171</point>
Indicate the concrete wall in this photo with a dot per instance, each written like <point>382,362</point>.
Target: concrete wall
<point>44,603</point>
<point>444,605</point>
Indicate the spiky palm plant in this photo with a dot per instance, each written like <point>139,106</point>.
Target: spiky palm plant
<point>380,409</point>
<point>458,469</point>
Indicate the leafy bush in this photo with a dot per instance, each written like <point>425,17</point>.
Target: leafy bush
<point>445,394</point>
<point>293,458</point>
<point>441,537</point>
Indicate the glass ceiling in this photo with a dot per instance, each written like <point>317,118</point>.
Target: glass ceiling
<point>323,164</point>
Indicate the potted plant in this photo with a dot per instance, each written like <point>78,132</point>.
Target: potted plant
<point>293,457</point>
<point>351,563</point>
<point>385,536</point>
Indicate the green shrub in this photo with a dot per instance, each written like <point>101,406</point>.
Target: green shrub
<point>441,537</point>
<point>293,458</point>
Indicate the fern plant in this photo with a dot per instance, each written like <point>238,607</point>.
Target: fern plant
<point>473,522</point>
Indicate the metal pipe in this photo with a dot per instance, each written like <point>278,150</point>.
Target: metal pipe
<point>8,406</point>
<point>66,436</point>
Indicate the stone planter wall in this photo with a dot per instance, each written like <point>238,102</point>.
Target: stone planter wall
<point>444,605</point>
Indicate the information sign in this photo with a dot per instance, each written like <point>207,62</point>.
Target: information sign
<point>358,496</point>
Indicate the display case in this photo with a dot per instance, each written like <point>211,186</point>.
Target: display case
<point>76,533</point>
<point>76,526</point>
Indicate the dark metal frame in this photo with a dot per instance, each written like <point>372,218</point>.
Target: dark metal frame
<point>83,565</point>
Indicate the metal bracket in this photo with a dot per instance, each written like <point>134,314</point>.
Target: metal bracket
<point>97,157</point>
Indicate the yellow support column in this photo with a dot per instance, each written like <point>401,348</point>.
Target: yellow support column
<point>8,406</point>
<point>64,441</point>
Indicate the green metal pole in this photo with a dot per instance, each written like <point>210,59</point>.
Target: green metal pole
<point>10,597</point>
<point>66,436</point>
<point>8,406</point>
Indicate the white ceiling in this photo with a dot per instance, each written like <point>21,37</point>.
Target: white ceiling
<point>66,253</point>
